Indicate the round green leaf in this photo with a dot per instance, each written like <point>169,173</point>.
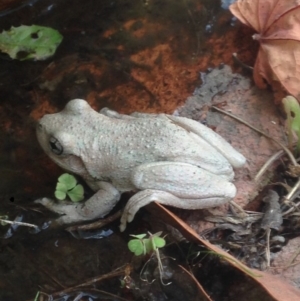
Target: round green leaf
<point>76,194</point>
<point>159,242</point>
<point>136,246</point>
<point>68,180</point>
<point>61,187</point>
<point>60,195</point>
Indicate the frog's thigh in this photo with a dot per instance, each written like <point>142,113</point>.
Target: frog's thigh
<point>176,184</point>
<point>183,180</point>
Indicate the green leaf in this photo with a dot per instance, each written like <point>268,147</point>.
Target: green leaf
<point>61,191</point>
<point>76,194</point>
<point>68,180</point>
<point>159,242</point>
<point>60,195</point>
<point>136,246</point>
<point>36,296</point>
<point>148,245</point>
<point>61,187</point>
<point>292,110</point>
<point>139,236</point>
<point>67,185</point>
<point>30,42</point>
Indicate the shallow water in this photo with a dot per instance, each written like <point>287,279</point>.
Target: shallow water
<point>127,55</point>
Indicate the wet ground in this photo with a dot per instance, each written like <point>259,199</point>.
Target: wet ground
<point>127,55</point>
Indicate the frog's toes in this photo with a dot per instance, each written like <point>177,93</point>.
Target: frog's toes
<point>48,203</point>
<point>61,208</point>
<point>140,199</point>
<point>69,212</point>
<point>126,217</point>
<point>123,225</point>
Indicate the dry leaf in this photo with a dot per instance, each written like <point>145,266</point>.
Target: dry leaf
<point>276,288</point>
<point>277,23</point>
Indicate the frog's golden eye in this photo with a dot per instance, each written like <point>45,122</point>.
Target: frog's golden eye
<point>55,146</point>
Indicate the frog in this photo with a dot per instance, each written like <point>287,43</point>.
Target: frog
<point>173,160</point>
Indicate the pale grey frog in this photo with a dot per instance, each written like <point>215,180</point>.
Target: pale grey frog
<point>173,160</point>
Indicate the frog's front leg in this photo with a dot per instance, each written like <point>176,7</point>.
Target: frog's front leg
<point>100,204</point>
<point>176,184</point>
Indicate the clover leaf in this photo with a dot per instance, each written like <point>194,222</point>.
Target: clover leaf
<point>67,186</point>
<point>142,245</point>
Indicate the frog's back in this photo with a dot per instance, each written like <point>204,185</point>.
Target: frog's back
<point>159,139</point>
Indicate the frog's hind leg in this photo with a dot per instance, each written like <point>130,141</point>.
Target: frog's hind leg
<point>176,184</point>
<point>236,159</point>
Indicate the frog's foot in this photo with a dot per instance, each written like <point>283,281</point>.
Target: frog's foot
<point>100,204</point>
<point>70,211</point>
<point>147,196</point>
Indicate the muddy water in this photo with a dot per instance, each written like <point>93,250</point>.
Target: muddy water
<point>128,55</point>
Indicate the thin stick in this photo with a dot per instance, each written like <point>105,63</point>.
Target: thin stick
<point>288,152</point>
<point>268,256</point>
<point>293,190</point>
<point>18,223</point>
<point>275,157</point>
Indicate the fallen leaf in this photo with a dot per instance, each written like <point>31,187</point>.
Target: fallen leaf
<point>277,288</point>
<point>277,23</point>
<point>30,42</point>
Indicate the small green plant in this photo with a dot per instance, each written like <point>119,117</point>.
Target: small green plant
<point>67,186</point>
<point>30,42</point>
<point>292,110</point>
<point>141,245</point>
<point>3,219</point>
<point>37,296</point>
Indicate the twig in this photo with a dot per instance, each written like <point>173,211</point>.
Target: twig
<point>262,170</point>
<point>268,257</point>
<point>289,196</point>
<point>93,281</point>
<point>18,223</point>
<point>237,60</point>
<point>291,209</point>
<point>202,292</point>
<point>293,190</point>
<point>288,152</point>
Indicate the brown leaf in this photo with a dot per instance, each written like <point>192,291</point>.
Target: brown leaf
<point>277,23</point>
<point>275,287</point>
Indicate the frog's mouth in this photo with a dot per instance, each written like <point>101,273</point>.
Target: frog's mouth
<point>71,163</point>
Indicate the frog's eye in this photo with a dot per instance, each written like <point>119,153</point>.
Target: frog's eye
<point>55,146</point>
